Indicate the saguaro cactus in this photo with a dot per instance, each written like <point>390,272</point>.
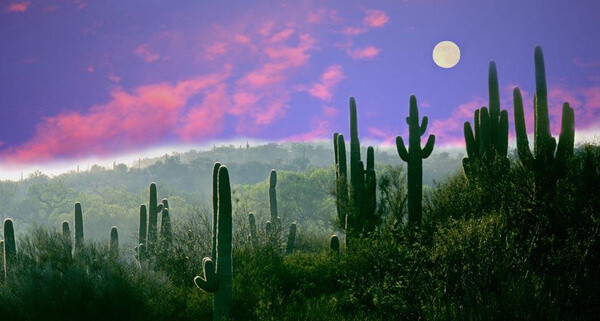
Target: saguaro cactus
<point>78,246</point>
<point>218,281</point>
<point>414,158</point>
<point>253,232</point>
<point>334,244</point>
<point>273,197</point>
<point>143,229</point>
<point>10,248</point>
<point>487,145</point>
<point>166,234</point>
<point>153,209</point>
<point>291,241</point>
<point>113,245</point>
<point>215,199</point>
<point>548,159</point>
<point>66,238</point>
<point>356,205</point>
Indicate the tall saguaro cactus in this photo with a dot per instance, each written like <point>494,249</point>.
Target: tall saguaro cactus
<point>356,205</point>
<point>218,281</point>
<point>153,209</point>
<point>215,199</point>
<point>414,158</point>
<point>548,159</point>
<point>10,247</point>
<point>487,144</point>
<point>78,246</point>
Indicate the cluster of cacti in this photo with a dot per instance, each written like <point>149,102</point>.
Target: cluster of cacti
<point>487,142</point>
<point>273,226</point>
<point>9,246</point>
<point>356,204</point>
<point>148,233</point>
<point>217,269</point>
<point>414,158</point>
<point>548,160</point>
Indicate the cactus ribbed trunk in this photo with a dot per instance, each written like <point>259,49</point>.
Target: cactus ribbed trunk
<point>153,209</point>
<point>113,245</point>
<point>143,228</point>
<point>215,199</point>
<point>10,247</point>
<point>218,281</point>
<point>166,233</point>
<point>253,232</point>
<point>291,239</point>
<point>66,238</point>
<point>414,158</point>
<point>78,246</point>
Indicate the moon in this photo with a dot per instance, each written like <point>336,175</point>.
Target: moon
<point>446,54</point>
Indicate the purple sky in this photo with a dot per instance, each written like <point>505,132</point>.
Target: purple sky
<point>81,79</point>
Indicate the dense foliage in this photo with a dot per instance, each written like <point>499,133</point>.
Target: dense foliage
<point>485,250</point>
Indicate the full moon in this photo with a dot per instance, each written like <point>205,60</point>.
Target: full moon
<point>446,54</point>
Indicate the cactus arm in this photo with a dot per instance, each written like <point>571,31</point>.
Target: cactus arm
<point>334,244</point>
<point>470,142</point>
<point>370,158</point>
<point>566,139</point>
<point>502,140</point>
<point>78,228</point>
<point>485,132</point>
<point>523,149</point>
<point>143,229</point>
<point>426,151</point>
<point>215,199</point>
<point>207,283</point>
<point>402,152</point>
<point>423,126</point>
<point>494,101</point>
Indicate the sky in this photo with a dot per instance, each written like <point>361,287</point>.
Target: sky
<point>82,79</point>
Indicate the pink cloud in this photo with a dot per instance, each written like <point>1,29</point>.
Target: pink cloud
<point>586,64</point>
<point>376,18</point>
<point>368,52</point>
<point>329,79</point>
<point>323,15</point>
<point>449,130</point>
<point>330,112</point>
<point>130,119</point>
<point>146,54</point>
<point>50,8</point>
<point>216,49</point>
<point>18,6</point>
<point>206,120</point>
<point>353,31</point>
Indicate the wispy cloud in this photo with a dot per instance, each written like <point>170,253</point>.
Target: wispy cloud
<point>323,89</point>
<point>146,53</point>
<point>18,6</point>
<point>376,18</point>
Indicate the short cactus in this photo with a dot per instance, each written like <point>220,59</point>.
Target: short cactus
<point>218,281</point>
<point>143,228</point>
<point>10,248</point>
<point>113,245</point>
<point>66,238</point>
<point>291,241</point>
<point>414,158</point>
<point>253,231</point>
<point>78,246</point>
<point>334,244</point>
<point>166,234</point>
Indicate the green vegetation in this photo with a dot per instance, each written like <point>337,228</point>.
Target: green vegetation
<point>488,247</point>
